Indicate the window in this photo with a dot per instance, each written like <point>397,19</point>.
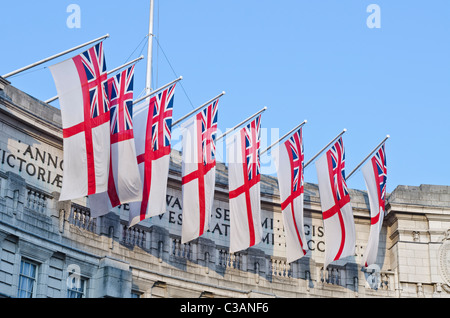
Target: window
<point>136,294</point>
<point>76,287</point>
<point>27,279</point>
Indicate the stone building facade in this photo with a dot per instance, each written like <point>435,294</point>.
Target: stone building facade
<point>55,249</point>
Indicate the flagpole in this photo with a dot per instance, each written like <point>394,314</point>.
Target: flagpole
<point>241,123</point>
<point>198,108</point>
<point>337,137</point>
<point>125,65</point>
<point>109,72</point>
<point>376,148</point>
<point>53,57</point>
<point>294,129</point>
<point>157,91</point>
<point>148,82</point>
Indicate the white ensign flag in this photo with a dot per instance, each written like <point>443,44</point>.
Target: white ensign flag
<point>289,163</point>
<point>375,176</point>
<point>198,172</point>
<point>124,182</point>
<point>244,185</point>
<point>153,129</point>
<point>81,83</point>
<point>337,213</point>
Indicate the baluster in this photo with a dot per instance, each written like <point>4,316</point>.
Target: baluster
<point>188,251</point>
<point>80,218</point>
<point>36,201</point>
<point>31,199</point>
<point>124,233</point>
<point>273,264</point>
<point>44,204</point>
<point>76,217</point>
<point>39,202</point>
<point>144,239</point>
<point>183,250</point>
<point>139,239</point>
<point>160,251</point>
<point>179,252</point>
<point>222,258</point>
<point>28,199</point>
<point>130,236</point>
<point>323,275</point>
<point>174,243</point>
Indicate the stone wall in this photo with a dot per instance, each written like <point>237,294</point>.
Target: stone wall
<point>148,260</point>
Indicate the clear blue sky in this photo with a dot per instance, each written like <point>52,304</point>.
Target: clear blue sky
<point>314,60</point>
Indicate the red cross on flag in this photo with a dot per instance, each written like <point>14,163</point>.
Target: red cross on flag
<point>152,127</point>
<point>198,172</point>
<point>289,161</point>
<point>124,182</point>
<point>81,83</point>
<point>337,213</point>
<point>244,185</point>
<point>375,176</point>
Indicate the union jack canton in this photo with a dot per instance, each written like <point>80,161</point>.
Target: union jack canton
<point>162,118</point>
<point>252,134</point>
<point>337,173</point>
<point>121,101</point>
<point>379,161</point>
<point>94,64</point>
<point>208,117</point>
<point>295,148</point>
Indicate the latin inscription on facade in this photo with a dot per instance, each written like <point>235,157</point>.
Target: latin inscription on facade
<point>36,165</point>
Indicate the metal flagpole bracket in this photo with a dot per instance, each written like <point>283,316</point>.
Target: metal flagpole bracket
<point>368,156</point>
<point>157,90</point>
<point>109,73</point>
<point>287,134</point>
<point>336,138</point>
<point>54,57</point>
<point>197,109</point>
<point>241,123</point>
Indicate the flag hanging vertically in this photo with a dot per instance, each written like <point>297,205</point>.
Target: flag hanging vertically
<point>198,172</point>
<point>244,186</point>
<point>337,213</point>
<point>152,126</point>
<point>289,161</point>
<point>375,176</point>
<point>124,182</point>
<point>81,83</point>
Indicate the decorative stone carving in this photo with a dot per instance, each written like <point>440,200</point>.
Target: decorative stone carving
<point>444,259</point>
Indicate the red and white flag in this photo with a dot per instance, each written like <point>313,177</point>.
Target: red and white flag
<point>81,83</point>
<point>198,172</point>
<point>244,185</point>
<point>289,161</point>
<point>337,213</point>
<point>375,176</point>
<point>152,134</point>
<point>124,183</point>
